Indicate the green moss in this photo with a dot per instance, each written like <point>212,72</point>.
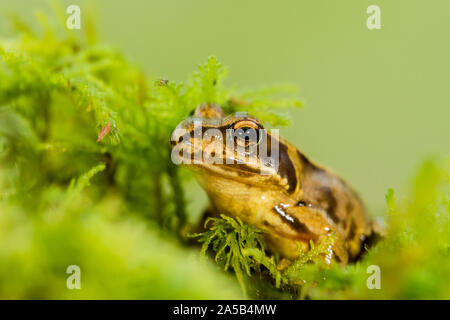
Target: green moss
<point>85,171</point>
<point>237,245</point>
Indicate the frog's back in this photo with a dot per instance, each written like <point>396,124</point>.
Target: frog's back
<point>320,188</point>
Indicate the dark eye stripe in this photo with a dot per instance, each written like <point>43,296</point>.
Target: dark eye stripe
<point>329,202</point>
<point>286,169</point>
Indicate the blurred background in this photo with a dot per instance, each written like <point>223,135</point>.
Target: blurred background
<point>376,101</point>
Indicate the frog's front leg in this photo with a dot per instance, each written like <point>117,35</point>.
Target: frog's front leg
<point>290,227</point>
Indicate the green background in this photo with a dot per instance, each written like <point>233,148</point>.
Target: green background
<point>376,101</point>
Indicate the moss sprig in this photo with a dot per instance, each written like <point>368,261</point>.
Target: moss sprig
<point>238,245</point>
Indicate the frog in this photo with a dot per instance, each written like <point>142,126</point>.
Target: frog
<point>295,204</point>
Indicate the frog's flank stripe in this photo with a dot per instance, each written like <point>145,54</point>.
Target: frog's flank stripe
<point>292,221</point>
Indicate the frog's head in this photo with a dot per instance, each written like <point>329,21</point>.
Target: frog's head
<point>234,147</point>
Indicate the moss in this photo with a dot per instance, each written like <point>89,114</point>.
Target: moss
<point>85,170</point>
<point>237,245</point>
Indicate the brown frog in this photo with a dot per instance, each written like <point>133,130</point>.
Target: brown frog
<point>294,203</point>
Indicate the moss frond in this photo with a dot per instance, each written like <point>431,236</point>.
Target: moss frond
<point>235,244</point>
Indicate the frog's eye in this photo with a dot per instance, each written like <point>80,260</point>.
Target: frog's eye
<point>246,133</point>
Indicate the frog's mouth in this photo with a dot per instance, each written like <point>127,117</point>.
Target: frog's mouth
<point>226,167</point>
<point>234,171</point>
<point>242,173</point>
<point>236,177</point>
